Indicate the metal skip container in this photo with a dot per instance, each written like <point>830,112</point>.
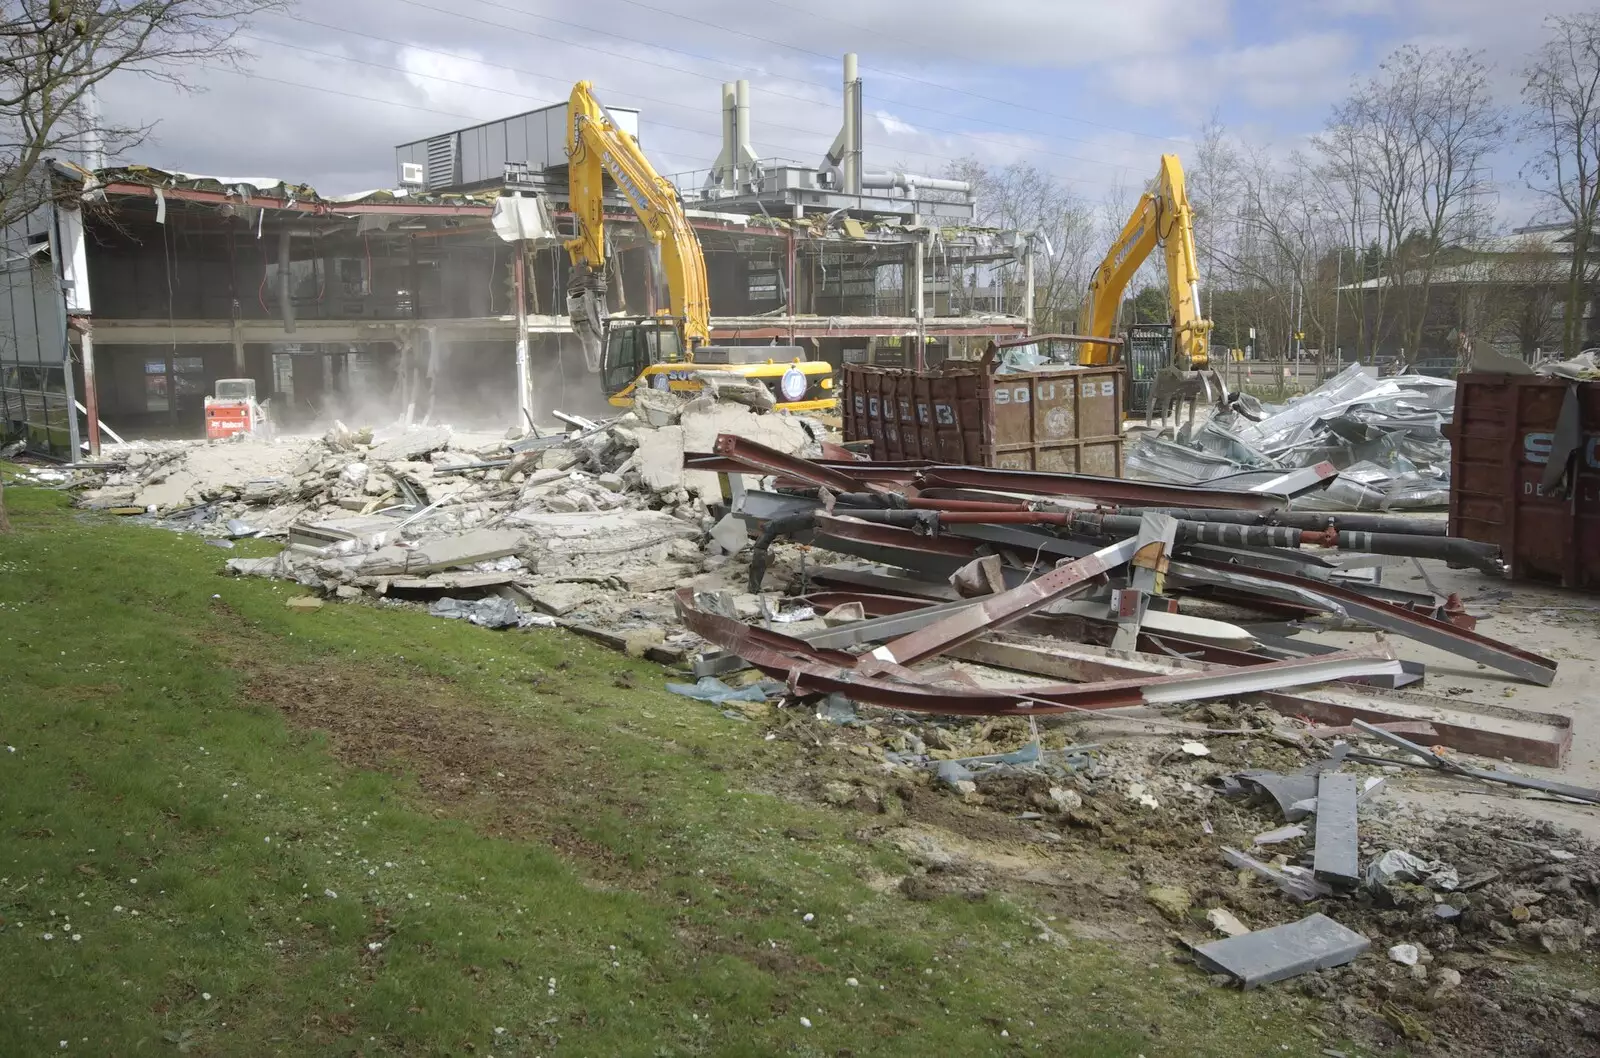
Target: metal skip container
<point>1525,473</point>
<point>1061,419</point>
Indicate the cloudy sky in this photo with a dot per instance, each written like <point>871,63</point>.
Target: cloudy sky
<point>1093,90</point>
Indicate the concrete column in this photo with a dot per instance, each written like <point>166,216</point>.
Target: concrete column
<point>239,368</point>
<point>91,392</point>
<point>519,285</point>
<point>285,283</point>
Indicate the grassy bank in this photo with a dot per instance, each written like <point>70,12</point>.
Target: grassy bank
<point>231,828</point>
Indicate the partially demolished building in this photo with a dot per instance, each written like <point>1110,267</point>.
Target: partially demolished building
<point>405,303</point>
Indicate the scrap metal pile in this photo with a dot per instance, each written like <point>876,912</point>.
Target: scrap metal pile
<point>1102,576</point>
<point>1385,436</point>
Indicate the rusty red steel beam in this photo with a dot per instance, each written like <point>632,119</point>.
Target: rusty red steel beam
<point>995,611</point>
<point>811,671</point>
<point>754,456</point>
<point>1442,635</point>
<point>851,529</point>
<point>874,473</point>
<point>741,455</point>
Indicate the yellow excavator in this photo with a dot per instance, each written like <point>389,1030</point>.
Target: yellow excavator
<point>671,350</point>
<point>1163,217</point>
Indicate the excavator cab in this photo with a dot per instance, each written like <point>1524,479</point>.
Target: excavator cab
<point>633,344</point>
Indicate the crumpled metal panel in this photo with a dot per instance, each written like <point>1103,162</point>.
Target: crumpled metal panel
<point>1385,434</point>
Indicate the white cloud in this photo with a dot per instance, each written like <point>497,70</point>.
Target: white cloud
<point>1092,82</point>
<point>1282,75</point>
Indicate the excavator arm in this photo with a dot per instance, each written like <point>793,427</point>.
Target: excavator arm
<point>596,147</point>
<point>1163,218</point>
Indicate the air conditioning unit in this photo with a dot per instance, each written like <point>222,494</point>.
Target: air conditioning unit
<point>413,174</point>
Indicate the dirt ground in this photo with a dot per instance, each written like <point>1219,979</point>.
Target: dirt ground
<point>1505,957</point>
<point>1560,624</point>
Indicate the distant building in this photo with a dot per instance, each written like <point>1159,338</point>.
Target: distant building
<point>401,302</point>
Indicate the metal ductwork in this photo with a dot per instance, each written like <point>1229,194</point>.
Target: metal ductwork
<point>721,174</point>
<point>744,156</point>
<point>842,164</point>
<point>736,161</point>
<point>910,183</point>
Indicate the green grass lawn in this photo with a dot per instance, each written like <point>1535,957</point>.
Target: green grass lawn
<point>228,828</point>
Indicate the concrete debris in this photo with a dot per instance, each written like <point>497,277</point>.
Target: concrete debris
<point>413,444</point>
<point>1264,956</point>
<point>1297,883</point>
<point>730,534</point>
<point>1226,922</point>
<point>1172,901</point>
<point>590,521</point>
<point>1288,833</point>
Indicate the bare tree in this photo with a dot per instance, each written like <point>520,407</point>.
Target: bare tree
<point>1562,120</point>
<point>1416,138</point>
<point>1023,197</point>
<point>1344,195</point>
<point>53,53</point>
<point>1515,303</point>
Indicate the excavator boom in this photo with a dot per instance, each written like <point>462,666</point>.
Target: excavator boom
<point>670,351</point>
<point>1163,218</point>
<point>596,147</point>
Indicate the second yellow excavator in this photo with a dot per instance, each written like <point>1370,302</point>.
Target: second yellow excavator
<point>669,351</point>
<point>1163,217</point>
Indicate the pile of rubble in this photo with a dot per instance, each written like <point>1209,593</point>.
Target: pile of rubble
<point>1385,436</point>
<point>1218,831</point>
<point>588,520</point>
<point>1058,607</point>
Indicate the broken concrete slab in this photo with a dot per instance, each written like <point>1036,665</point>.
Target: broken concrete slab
<point>664,653</point>
<point>731,534</point>
<point>253,567</point>
<point>641,580</point>
<point>451,581</point>
<point>1316,942</point>
<point>315,535</point>
<point>413,444</point>
<point>1297,884</point>
<point>657,407</point>
<point>463,549</point>
<point>557,599</point>
<point>583,541</point>
<point>304,603</point>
